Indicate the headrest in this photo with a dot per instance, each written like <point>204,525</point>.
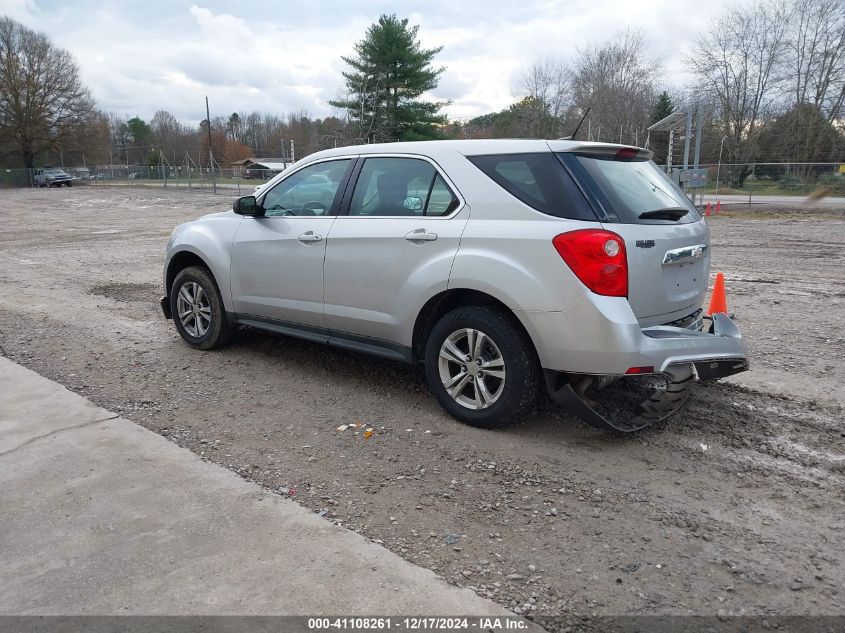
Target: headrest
<point>391,187</point>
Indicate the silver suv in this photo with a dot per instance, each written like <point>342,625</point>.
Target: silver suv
<point>509,268</point>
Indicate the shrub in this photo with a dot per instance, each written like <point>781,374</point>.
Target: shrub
<point>834,181</point>
<point>790,182</point>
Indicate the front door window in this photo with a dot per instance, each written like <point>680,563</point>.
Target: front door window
<point>309,192</point>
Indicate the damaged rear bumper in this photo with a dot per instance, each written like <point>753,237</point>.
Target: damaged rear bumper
<point>677,354</point>
<point>715,352</point>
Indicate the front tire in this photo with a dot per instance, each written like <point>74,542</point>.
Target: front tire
<point>197,309</point>
<point>482,368</point>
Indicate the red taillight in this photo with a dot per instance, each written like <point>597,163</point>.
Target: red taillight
<point>627,153</point>
<point>597,258</point>
<point>649,369</point>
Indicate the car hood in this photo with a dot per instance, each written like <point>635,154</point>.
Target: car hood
<point>219,214</point>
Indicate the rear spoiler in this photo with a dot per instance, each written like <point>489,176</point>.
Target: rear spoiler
<point>606,150</point>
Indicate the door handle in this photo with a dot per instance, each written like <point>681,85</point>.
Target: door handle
<point>420,235</point>
<point>309,236</point>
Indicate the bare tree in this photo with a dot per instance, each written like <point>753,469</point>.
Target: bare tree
<point>617,79</point>
<point>736,61</point>
<point>815,55</point>
<point>814,70</point>
<point>41,94</point>
<point>546,85</point>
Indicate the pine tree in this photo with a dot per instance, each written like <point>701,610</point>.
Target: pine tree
<point>663,107</point>
<point>388,74</point>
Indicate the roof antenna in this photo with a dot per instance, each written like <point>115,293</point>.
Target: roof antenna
<point>577,127</point>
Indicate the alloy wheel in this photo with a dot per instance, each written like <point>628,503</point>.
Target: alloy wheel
<point>472,368</point>
<point>193,309</point>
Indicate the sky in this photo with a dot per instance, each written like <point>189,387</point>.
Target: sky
<point>280,57</point>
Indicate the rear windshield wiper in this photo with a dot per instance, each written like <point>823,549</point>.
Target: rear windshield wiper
<point>670,213</point>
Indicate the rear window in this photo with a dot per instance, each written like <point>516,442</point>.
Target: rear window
<point>539,180</point>
<point>631,188</point>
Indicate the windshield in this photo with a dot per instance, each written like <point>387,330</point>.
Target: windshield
<point>635,189</point>
<point>54,171</point>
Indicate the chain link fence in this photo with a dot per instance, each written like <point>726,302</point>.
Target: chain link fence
<point>751,180</point>
<point>762,180</point>
<point>228,181</point>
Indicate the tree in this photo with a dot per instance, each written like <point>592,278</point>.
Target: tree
<point>546,85</point>
<point>616,78</point>
<point>233,126</point>
<point>387,76</point>
<point>783,139</point>
<point>137,140</point>
<point>139,131</point>
<point>41,95</point>
<point>816,55</point>
<point>663,107</point>
<point>736,60</point>
<point>814,65</point>
<point>225,149</point>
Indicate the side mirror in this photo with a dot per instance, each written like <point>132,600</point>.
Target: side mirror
<point>247,205</point>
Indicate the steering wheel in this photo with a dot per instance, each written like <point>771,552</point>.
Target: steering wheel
<point>314,206</point>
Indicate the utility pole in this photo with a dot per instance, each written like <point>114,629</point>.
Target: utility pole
<point>210,155</point>
<point>292,155</point>
<point>698,134</point>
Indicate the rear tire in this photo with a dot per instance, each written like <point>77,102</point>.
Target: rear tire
<point>482,367</point>
<point>195,296</point>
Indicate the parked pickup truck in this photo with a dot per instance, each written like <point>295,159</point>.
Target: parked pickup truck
<point>52,177</point>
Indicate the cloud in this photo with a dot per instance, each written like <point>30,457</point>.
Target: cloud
<point>141,57</point>
<point>20,10</point>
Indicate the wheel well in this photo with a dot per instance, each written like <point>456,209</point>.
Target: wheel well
<point>181,261</point>
<point>446,301</point>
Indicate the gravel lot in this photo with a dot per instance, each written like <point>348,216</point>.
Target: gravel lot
<point>735,506</point>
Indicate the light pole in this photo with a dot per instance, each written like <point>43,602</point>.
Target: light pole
<point>719,166</point>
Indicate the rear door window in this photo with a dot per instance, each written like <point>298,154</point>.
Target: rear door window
<point>396,187</point>
<point>441,200</point>
<point>539,180</point>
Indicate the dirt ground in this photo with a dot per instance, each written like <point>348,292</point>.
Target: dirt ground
<point>735,506</point>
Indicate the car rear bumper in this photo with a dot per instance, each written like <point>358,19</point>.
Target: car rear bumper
<point>716,352</point>
<point>601,335</point>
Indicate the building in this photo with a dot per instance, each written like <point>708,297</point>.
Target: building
<point>263,168</point>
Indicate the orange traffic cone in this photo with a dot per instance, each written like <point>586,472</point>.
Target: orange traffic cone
<point>718,300</point>
<point>707,210</point>
<point>718,206</point>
